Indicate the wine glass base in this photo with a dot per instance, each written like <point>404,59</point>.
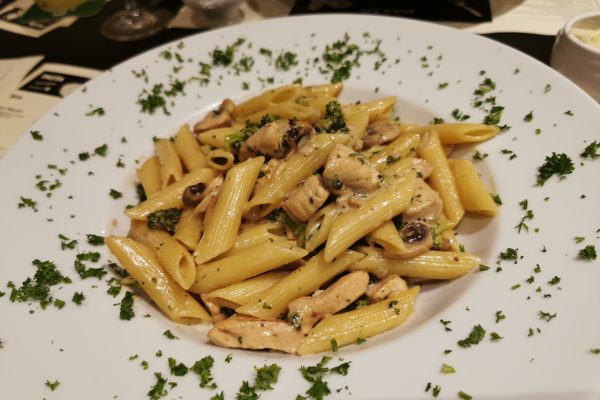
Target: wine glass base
<point>135,24</point>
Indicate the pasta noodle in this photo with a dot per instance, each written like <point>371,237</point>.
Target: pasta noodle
<point>295,219</point>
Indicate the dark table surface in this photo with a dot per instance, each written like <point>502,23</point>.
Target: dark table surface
<point>82,44</point>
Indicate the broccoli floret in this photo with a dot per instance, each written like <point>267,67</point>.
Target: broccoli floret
<point>334,118</point>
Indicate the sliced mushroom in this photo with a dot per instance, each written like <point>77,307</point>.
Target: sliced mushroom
<point>380,132</point>
<point>193,194</point>
<point>417,238</point>
<point>219,118</point>
<point>209,194</point>
<point>252,333</point>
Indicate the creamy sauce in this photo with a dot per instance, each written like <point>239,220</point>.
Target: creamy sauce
<point>591,37</point>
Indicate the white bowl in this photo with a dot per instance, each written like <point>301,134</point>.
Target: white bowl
<point>576,60</point>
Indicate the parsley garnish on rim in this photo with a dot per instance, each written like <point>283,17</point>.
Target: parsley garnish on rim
<point>476,336</point>
<point>36,135</point>
<point>591,150</point>
<point>559,164</point>
<point>126,308</point>
<point>38,288</point>
<point>169,334</point>
<point>588,252</point>
<point>203,367</point>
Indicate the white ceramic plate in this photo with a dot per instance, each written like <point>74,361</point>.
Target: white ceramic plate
<point>87,348</point>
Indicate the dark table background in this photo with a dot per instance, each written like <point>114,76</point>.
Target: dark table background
<point>82,44</point>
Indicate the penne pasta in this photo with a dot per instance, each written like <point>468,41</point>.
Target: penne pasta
<point>347,328</point>
<point>169,163</point>
<point>458,133</point>
<point>189,229</point>
<point>441,179</point>
<point>189,150</point>
<point>246,291</point>
<point>217,137</point>
<point>252,261</point>
<point>220,160</point>
<point>143,266</point>
<point>430,265</point>
<point>171,197</point>
<point>472,192</point>
<point>304,280</point>
<point>221,228</point>
<point>149,176</point>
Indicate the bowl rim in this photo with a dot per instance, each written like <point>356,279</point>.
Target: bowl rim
<point>568,27</point>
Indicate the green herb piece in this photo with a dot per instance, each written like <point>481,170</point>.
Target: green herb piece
<point>83,156</point>
<point>595,351</point>
<point>27,202</point>
<point>246,392</point>
<point>509,254</point>
<point>554,280</point>
<point>442,85</point>
<point>436,390</point>
<point>500,316</point>
<point>591,151</point>
<point>266,376</point>
<point>153,100</point>
<point>95,240</point>
<point>99,111</point>
<point>588,252</point>
<point>334,345</point>
<point>133,357</point>
<point>203,368</point>
<point>169,334</point>
<point>164,219</point>
<point>225,57</point>
<point>483,267</point>
<point>497,199</point>
<point>360,340</point>
<point>58,303</point>
<point>546,316</point>
<point>447,369</point>
<point>85,272</point>
<point>459,115</point>
<point>38,288</point>
<point>228,358</point>
<point>66,243</point>
<point>285,61</point>
<point>126,308</point>
<point>177,369</point>
<point>158,390</point>
<point>218,396</point>
<point>334,118</point>
<point>340,57</point>
<point>144,364</point>
<point>494,337</point>
<point>52,385</point>
<point>479,156</point>
<point>446,323</point>
<point>569,113</point>
<point>494,115</point>
<point>477,334</point>
<point>528,117</point>
<point>115,194</point>
<point>36,135</point>
<point>101,150</point>
<point>558,164</point>
<point>464,396</point>
<point>78,298</point>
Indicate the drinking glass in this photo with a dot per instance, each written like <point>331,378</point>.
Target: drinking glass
<point>134,23</point>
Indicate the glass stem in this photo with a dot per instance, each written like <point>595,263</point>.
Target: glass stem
<point>130,5</point>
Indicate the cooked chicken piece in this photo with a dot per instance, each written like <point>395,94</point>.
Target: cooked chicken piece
<point>306,199</point>
<point>391,285</point>
<point>422,167</point>
<point>276,139</point>
<point>426,204</point>
<point>306,311</point>
<point>251,333</point>
<point>348,199</point>
<point>417,239</point>
<point>219,118</point>
<point>380,132</point>
<point>213,308</point>
<point>345,168</point>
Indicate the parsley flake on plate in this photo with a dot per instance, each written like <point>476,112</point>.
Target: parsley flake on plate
<point>203,368</point>
<point>588,253</point>
<point>168,334</point>
<point>477,334</point>
<point>126,309</point>
<point>559,164</point>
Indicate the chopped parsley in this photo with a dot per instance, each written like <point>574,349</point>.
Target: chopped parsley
<point>225,57</point>
<point>203,367</point>
<point>479,156</point>
<point>115,194</point>
<point>477,334</point>
<point>494,337</point>
<point>164,219</point>
<point>78,298</point>
<point>28,203</point>
<point>52,385</point>
<point>168,334</point>
<point>158,390</point>
<point>334,345</point>
<point>459,115</point>
<point>101,150</point>
<point>569,113</point>
<point>442,85</point>
<point>340,57</point>
<point>126,308</point>
<point>464,396</point>
<point>99,111</point>
<point>266,376</point>
<point>286,60</point>
<point>559,164</point>
<point>554,281</point>
<point>95,240</point>
<point>114,287</point>
<point>500,316</point>
<point>36,135</point>
<point>38,288</point>
<point>595,351</point>
<point>591,150</point>
<point>177,369</point>
<point>493,116</point>
<point>314,374</point>
<point>66,243</point>
<point>85,272</point>
<point>509,254</point>
<point>447,369</point>
<point>588,252</point>
<point>546,316</point>
<point>528,117</point>
<point>228,358</point>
